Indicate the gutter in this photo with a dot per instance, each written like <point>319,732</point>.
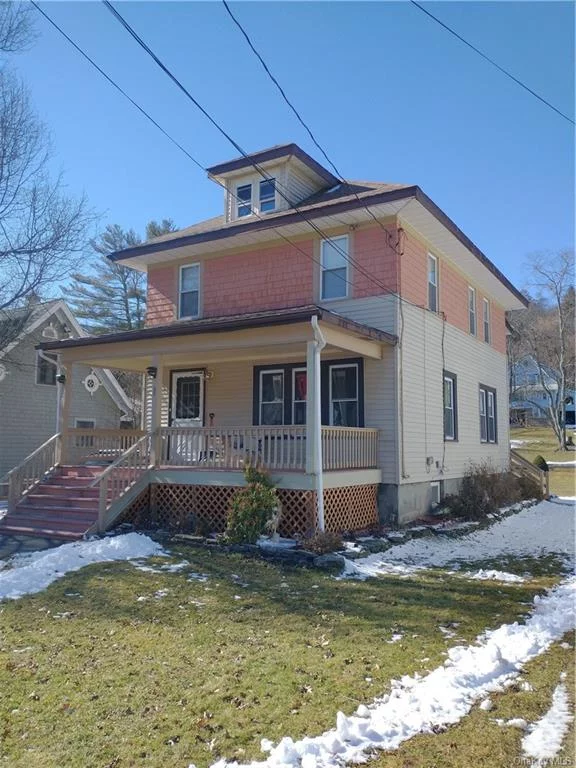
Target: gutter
<point>319,344</point>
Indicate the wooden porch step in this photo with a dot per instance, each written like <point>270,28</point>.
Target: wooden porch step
<point>64,501</point>
<point>79,471</point>
<point>62,514</point>
<point>22,528</point>
<point>78,491</point>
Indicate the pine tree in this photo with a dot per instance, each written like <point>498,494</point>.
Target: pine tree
<point>112,297</point>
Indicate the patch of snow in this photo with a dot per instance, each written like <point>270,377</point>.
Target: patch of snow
<point>517,722</point>
<point>396,637</point>
<point>279,543</point>
<point>35,571</point>
<point>166,568</point>
<point>543,529</point>
<point>424,704</point>
<point>351,546</point>
<point>483,575</point>
<point>526,686</point>
<point>561,463</point>
<point>546,735</point>
<point>486,705</point>
<point>448,633</point>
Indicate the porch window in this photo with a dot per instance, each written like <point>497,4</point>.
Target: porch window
<point>334,269</point>
<point>272,397</point>
<point>432,283</point>
<point>472,311</point>
<point>344,395</point>
<point>84,441</point>
<point>267,195</point>
<point>450,422</point>
<point>299,392</point>
<point>486,309</point>
<point>188,397</point>
<point>189,291</point>
<point>244,200</point>
<point>488,429</point>
<point>45,370</point>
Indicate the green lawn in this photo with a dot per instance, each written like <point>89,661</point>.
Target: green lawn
<point>542,442</point>
<point>92,676</point>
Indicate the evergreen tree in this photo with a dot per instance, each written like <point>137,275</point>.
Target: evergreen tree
<point>112,297</point>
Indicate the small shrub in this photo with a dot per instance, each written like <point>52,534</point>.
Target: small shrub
<point>529,488</point>
<point>541,463</point>
<point>252,508</point>
<point>323,542</point>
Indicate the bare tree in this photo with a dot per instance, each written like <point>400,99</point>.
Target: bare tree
<point>545,333</point>
<point>42,230</point>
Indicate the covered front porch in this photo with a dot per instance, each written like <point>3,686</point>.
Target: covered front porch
<point>284,390</point>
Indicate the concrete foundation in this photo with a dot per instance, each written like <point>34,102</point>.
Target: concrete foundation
<point>400,504</point>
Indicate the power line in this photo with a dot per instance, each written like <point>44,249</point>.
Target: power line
<point>252,162</point>
<point>491,61</point>
<point>297,114</point>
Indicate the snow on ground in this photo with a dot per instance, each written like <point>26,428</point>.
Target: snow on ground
<point>424,704</point>
<point>561,463</point>
<point>483,575</point>
<point>543,529</point>
<point>546,736</point>
<point>35,571</point>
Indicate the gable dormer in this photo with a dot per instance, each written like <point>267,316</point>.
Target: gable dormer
<point>285,176</point>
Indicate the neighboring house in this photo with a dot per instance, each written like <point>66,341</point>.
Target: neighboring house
<point>29,389</point>
<point>363,362</point>
<point>530,397</point>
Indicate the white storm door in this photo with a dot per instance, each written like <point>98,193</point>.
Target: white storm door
<point>187,410</point>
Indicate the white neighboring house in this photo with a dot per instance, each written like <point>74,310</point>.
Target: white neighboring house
<point>529,398</point>
<point>29,391</point>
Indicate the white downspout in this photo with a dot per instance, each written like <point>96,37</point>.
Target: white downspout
<point>59,386</point>
<point>319,344</point>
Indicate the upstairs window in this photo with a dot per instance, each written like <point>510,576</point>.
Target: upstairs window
<point>267,195</point>
<point>472,311</point>
<point>45,370</point>
<point>432,283</point>
<point>189,303</point>
<point>334,260</point>
<point>486,318</point>
<point>488,430</point>
<point>450,411</point>
<point>244,200</point>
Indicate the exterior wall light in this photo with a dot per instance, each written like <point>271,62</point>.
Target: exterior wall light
<point>151,371</point>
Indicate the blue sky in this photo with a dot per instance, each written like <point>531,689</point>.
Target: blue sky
<point>388,92</point>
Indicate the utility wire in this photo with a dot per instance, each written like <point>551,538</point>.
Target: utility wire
<point>491,61</point>
<point>299,117</point>
<point>235,144</point>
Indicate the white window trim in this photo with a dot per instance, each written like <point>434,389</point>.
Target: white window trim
<point>346,280</point>
<point>183,267</point>
<point>267,372</point>
<point>472,315</point>
<point>433,258</point>
<point>435,493</point>
<point>343,399</point>
<point>240,203</point>
<point>486,325</point>
<point>294,401</point>
<point>487,401</point>
<point>451,379</point>
<point>79,418</point>
<point>37,369</point>
<point>274,182</point>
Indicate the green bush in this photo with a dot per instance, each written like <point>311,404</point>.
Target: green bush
<point>484,490</point>
<point>541,463</point>
<point>252,508</point>
<point>323,542</point>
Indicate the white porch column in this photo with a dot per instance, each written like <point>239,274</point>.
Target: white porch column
<point>314,416</point>
<point>156,409</point>
<point>310,406</point>
<point>64,409</point>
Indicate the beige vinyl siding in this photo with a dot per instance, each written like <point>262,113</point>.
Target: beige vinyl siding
<point>299,186</point>
<point>28,409</point>
<point>422,424</point>
<point>376,311</point>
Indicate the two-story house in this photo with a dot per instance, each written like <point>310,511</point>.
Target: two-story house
<point>347,336</point>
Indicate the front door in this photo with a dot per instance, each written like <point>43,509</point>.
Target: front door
<point>187,410</point>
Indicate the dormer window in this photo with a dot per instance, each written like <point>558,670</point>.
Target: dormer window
<point>244,200</point>
<point>267,195</point>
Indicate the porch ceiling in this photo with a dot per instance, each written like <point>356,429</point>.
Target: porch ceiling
<point>257,336</point>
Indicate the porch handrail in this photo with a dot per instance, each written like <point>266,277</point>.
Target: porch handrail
<point>120,476</point>
<point>28,474</point>
<point>526,467</point>
<point>349,448</point>
<point>97,443</point>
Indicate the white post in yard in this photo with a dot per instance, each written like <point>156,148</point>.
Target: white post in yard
<point>155,375</point>
<point>64,396</point>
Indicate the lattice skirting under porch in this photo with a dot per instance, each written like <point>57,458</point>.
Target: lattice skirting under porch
<point>205,507</point>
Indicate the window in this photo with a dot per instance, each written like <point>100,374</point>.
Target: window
<point>344,395</point>
<point>334,280</point>
<point>450,409</point>
<point>486,305</point>
<point>84,441</point>
<point>45,370</point>
<point>488,431</point>
<point>244,200</point>
<point>189,291</point>
<point>472,311</point>
<point>299,391</point>
<point>272,397</point>
<point>432,283</point>
<point>267,195</point>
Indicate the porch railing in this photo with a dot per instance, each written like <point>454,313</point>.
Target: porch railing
<point>349,448</point>
<point>98,445</point>
<point>30,472</point>
<point>120,477</point>
<point>276,448</point>
<point>521,466</point>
